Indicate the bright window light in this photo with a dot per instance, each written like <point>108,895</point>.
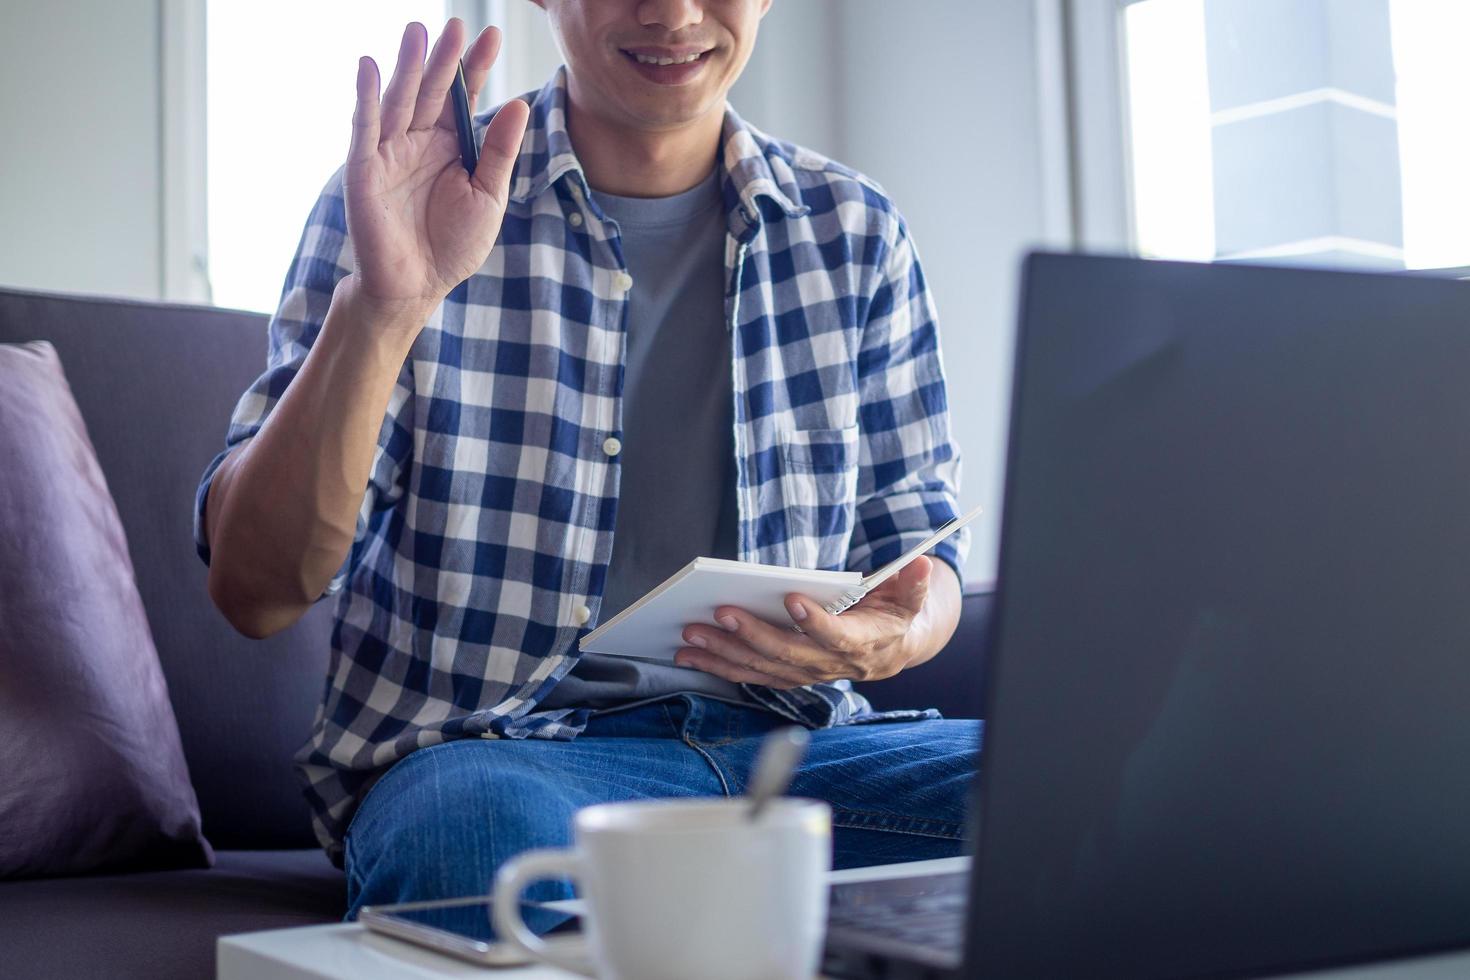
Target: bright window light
<point>281,89</point>
<point>1173,175</point>
<point>1430,38</point>
<point>1170,122</point>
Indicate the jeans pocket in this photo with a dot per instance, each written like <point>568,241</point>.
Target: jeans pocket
<point>819,471</point>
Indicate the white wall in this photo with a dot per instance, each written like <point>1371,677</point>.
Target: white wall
<point>528,55</point>
<point>79,158</point>
<point>938,102</point>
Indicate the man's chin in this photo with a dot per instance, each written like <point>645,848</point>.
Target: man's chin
<point>663,114</point>
<point>641,105</point>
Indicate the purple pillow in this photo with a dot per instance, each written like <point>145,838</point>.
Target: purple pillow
<point>92,774</point>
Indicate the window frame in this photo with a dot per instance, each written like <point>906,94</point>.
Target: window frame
<point>184,199</point>
<point>1099,128</point>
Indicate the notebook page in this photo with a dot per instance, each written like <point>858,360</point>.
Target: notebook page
<point>653,628</point>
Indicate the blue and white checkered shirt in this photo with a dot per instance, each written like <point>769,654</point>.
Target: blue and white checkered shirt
<point>484,536</point>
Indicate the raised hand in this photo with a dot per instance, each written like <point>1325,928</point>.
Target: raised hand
<point>419,224</point>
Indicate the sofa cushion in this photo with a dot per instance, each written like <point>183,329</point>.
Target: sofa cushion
<point>161,925</point>
<point>94,772</point>
<point>156,383</point>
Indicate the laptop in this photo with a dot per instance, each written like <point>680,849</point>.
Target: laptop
<point>1228,687</point>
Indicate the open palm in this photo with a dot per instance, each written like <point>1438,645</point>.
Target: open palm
<point>419,223</point>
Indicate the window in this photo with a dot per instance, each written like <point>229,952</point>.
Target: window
<point>1309,131</point>
<point>280,94</point>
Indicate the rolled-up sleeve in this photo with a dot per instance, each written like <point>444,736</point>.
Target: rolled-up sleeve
<point>323,258</point>
<point>908,465</point>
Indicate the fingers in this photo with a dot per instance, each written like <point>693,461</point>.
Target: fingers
<point>482,56</point>
<point>729,650</point>
<point>365,115</point>
<point>477,62</point>
<point>501,146</point>
<point>824,628</point>
<point>754,644</point>
<point>882,617</point>
<point>890,607</point>
<point>403,88</point>
<point>438,76</point>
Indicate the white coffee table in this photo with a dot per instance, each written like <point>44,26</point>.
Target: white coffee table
<point>347,951</point>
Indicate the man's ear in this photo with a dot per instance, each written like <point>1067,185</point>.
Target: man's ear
<point>765,6</point>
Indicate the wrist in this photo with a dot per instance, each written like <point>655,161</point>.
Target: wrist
<point>399,318</point>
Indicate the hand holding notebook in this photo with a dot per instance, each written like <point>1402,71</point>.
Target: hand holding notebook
<point>652,627</point>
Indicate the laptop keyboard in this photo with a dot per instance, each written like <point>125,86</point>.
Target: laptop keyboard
<point>932,923</point>
<point>927,912</point>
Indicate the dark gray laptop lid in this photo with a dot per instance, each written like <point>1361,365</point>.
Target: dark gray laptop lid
<point>1229,701</point>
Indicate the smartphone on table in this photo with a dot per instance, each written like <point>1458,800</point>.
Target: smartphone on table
<point>462,927</point>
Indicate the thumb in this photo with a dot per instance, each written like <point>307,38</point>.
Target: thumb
<point>911,584</point>
<point>499,151</point>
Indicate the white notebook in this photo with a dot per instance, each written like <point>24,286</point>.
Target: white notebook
<point>653,627</point>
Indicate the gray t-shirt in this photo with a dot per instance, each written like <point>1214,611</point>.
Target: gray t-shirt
<point>676,496</point>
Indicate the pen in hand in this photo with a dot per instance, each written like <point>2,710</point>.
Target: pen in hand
<point>469,154</point>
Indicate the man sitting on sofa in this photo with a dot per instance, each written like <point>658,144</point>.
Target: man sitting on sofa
<point>500,407</point>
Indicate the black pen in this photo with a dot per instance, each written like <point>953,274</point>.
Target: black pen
<point>468,152</point>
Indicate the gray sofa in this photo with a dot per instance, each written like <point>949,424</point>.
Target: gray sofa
<point>156,384</point>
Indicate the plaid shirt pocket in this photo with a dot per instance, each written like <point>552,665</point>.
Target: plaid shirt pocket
<point>819,473</point>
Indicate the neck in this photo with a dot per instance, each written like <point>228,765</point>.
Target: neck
<point>638,163</point>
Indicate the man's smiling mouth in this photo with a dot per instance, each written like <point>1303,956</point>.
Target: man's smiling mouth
<point>653,56</point>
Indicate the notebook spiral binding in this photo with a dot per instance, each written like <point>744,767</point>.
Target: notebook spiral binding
<point>845,603</point>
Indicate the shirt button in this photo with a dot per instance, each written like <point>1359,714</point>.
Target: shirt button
<point>612,445</point>
<point>623,282</point>
<point>575,220</point>
<point>581,614</point>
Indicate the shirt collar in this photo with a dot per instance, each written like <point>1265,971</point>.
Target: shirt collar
<point>754,166</point>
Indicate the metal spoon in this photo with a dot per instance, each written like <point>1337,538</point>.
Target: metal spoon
<point>776,763</point>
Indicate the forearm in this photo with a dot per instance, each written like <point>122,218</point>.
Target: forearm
<point>939,618</point>
<point>282,508</point>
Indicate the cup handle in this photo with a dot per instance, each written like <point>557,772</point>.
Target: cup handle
<point>510,882</point>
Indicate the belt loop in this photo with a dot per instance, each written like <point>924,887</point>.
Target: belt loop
<point>694,710</point>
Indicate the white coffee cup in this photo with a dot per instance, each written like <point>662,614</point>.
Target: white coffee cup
<point>686,888</point>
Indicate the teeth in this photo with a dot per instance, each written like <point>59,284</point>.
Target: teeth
<point>648,59</point>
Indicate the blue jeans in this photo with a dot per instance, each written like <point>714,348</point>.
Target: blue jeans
<point>443,819</point>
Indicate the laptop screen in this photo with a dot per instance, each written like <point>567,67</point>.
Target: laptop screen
<point>1229,703</point>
